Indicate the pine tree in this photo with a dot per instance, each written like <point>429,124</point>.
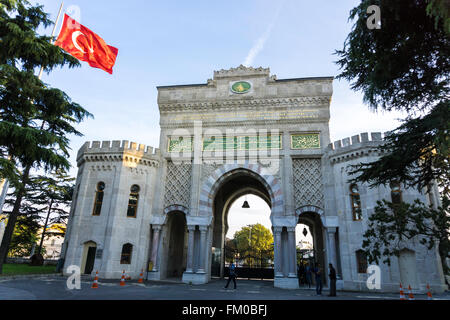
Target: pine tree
<point>36,120</point>
<point>404,66</point>
<point>46,201</point>
<point>54,194</point>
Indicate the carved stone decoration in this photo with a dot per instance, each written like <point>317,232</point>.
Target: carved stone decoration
<point>242,71</point>
<point>178,184</point>
<point>307,182</point>
<point>208,169</point>
<point>231,105</point>
<point>305,141</point>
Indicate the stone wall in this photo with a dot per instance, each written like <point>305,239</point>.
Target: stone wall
<point>339,156</point>
<point>27,261</point>
<point>119,165</point>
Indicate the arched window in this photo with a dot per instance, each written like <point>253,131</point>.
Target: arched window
<point>396,193</point>
<point>133,201</point>
<point>98,199</point>
<point>361,261</point>
<point>127,250</point>
<point>356,202</point>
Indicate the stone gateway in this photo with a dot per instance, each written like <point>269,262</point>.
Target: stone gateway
<point>166,210</point>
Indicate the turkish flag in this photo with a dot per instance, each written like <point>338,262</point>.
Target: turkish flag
<point>86,45</point>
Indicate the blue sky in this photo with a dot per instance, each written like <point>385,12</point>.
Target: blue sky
<point>183,42</point>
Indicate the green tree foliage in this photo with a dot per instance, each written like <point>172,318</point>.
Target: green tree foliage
<point>405,66</point>
<point>255,245</point>
<point>440,9</point>
<point>54,195</point>
<point>24,236</point>
<point>46,201</point>
<point>230,250</point>
<point>392,227</point>
<point>36,120</point>
<point>416,153</point>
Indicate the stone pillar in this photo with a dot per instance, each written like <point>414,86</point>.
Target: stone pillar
<point>2,230</point>
<point>190,254</point>
<point>277,248</point>
<point>155,245</point>
<point>331,234</point>
<point>292,253</point>
<point>288,173</point>
<point>201,267</point>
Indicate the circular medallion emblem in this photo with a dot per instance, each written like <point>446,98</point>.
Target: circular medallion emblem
<point>241,87</point>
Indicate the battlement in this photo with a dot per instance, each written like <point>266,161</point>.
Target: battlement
<point>132,148</point>
<point>356,146</point>
<point>241,71</point>
<point>357,141</point>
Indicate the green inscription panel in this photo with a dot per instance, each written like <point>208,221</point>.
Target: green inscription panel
<point>181,144</point>
<point>241,143</point>
<point>305,141</point>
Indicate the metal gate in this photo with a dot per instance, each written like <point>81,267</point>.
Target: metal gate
<point>250,264</point>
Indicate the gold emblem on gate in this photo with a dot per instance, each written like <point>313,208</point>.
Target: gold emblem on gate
<point>241,87</point>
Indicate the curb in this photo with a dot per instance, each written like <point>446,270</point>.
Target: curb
<point>30,276</point>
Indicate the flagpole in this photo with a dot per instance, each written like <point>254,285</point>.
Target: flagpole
<point>53,34</point>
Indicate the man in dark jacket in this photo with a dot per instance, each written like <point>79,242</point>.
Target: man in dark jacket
<point>232,275</point>
<point>318,273</point>
<point>332,276</point>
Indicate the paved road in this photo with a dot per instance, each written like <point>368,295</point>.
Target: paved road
<point>54,288</point>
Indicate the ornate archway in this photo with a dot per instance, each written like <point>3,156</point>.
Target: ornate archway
<point>211,185</point>
<point>218,192</point>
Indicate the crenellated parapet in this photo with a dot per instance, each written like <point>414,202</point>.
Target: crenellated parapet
<point>360,145</point>
<point>241,71</point>
<point>122,151</point>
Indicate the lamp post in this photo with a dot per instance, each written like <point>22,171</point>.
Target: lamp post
<point>250,246</point>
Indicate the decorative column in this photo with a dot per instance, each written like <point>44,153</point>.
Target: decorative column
<point>292,252</point>
<point>331,232</point>
<point>277,249</point>
<point>203,230</point>
<point>155,246</point>
<point>190,254</point>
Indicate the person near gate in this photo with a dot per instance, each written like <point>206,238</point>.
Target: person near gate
<point>332,276</point>
<point>300,273</point>
<point>308,275</point>
<point>232,275</point>
<point>318,273</point>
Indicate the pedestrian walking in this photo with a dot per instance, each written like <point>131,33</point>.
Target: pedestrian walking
<point>308,275</point>
<point>232,275</point>
<point>318,274</point>
<point>300,274</point>
<point>332,276</point>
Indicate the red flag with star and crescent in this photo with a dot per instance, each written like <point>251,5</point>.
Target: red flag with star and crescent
<point>86,45</point>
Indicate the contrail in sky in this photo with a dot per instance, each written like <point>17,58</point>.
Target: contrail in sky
<point>259,45</point>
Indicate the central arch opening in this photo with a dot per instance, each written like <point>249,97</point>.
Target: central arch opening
<point>229,217</point>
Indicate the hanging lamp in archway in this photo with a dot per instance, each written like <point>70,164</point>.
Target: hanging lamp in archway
<point>305,232</point>
<point>246,205</point>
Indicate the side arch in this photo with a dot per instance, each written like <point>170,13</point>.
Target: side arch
<point>314,209</point>
<point>176,207</point>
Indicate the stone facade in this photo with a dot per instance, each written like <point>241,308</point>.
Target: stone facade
<point>242,132</point>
